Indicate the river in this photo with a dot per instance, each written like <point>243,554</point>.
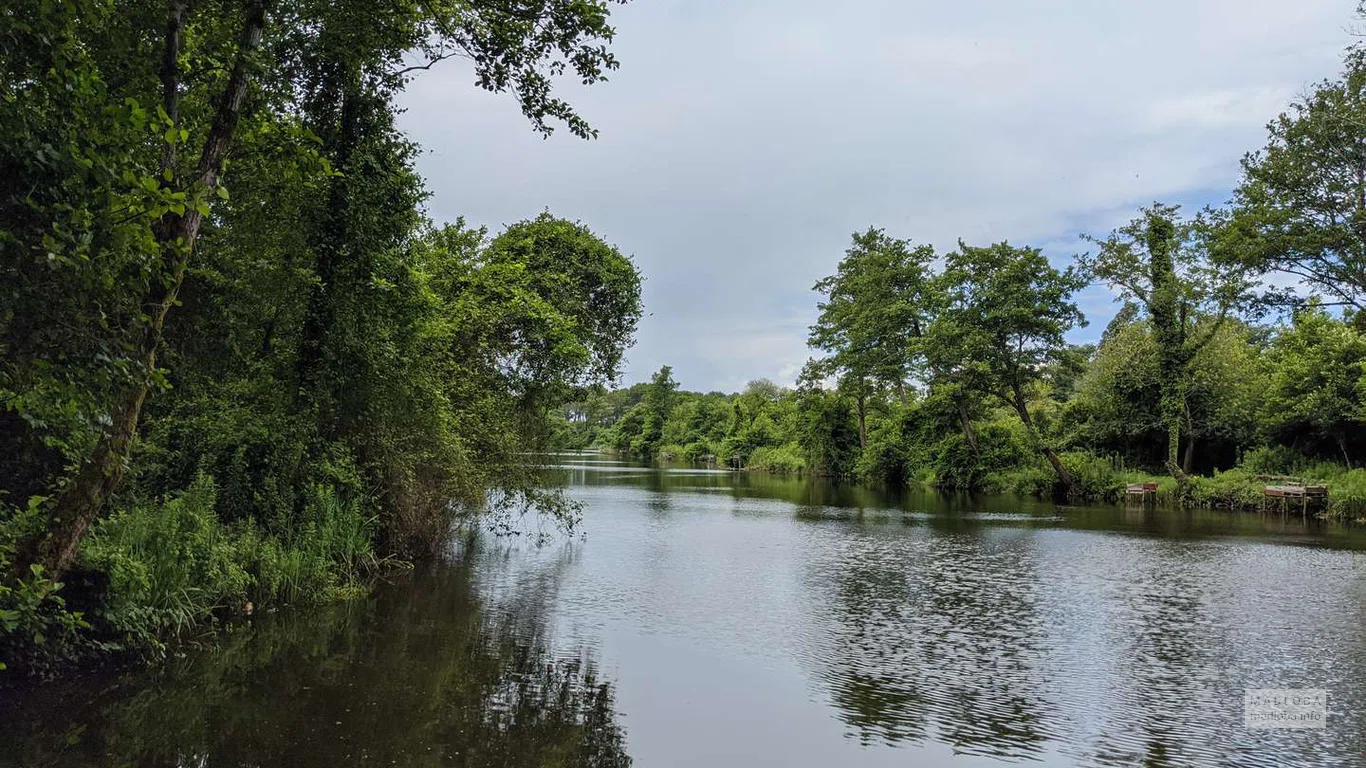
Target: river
<point>703,618</point>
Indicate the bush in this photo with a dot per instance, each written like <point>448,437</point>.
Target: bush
<point>1094,477</point>
<point>1003,464</point>
<point>783,460</point>
<point>1347,495</point>
<point>699,450</point>
<point>670,452</point>
<point>172,565</point>
<point>1274,460</point>
<point>36,629</point>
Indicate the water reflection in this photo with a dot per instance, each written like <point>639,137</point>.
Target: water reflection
<point>1021,630</point>
<point>754,620</point>
<point>424,673</point>
<point>932,643</point>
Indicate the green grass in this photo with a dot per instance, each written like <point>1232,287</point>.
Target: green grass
<point>175,564</point>
<point>1241,488</point>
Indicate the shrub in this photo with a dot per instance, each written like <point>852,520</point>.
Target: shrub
<point>36,629</point>
<point>1094,477</point>
<point>174,564</point>
<point>670,452</point>
<point>169,564</point>
<point>1003,464</point>
<point>1274,460</point>
<point>782,460</point>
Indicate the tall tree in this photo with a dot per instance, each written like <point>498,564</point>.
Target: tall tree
<point>1301,206</point>
<point>1164,263</point>
<point>196,90</point>
<point>1317,370</point>
<point>657,405</point>
<point>874,309</point>
<point>1004,322</point>
<point>1118,401</point>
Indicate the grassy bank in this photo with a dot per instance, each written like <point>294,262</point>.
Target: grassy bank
<point>156,572</point>
<point>1099,480</point>
<point>1239,488</point>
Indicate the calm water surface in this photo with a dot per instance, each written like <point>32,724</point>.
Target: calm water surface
<point>704,618</point>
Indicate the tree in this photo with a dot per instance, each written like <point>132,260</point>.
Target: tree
<point>1301,206</point>
<point>1164,264</point>
<point>1006,313</point>
<point>875,307</point>
<point>657,406</point>
<point>828,435</point>
<point>1317,370</point>
<point>1118,402</point>
<point>135,200</point>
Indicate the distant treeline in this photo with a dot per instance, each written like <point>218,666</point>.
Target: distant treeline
<point>952,369</point>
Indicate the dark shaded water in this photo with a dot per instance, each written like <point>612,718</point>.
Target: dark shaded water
<point>717,619</point>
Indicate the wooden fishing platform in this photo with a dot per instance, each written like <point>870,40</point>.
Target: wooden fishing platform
<point>1285,488</point>
<point>1142,491</point>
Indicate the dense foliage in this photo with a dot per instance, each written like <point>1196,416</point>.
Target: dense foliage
<point>237,363</point>
<point>953,369</point>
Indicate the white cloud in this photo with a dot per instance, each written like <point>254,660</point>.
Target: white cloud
<point>743,142</point>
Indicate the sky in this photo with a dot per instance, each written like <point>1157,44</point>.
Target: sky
<point>742,143</point>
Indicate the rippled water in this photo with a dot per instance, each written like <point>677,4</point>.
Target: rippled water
<point>705,618</point>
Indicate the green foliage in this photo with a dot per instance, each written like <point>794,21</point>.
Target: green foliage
<point>1006,313</point>
<point>779,460</point>
<point>173,564</point>
<point>37,631</point>
<point>872,314</point>
<point>1168,266</point>
<point>1117,407</point>
<point>355,378</point>
<point>1300,204</point>
<point>672,453</point>
<point>1317,372</point>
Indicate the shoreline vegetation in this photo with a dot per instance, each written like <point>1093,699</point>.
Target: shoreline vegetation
<point>1240,489</point>
<point>953,370</point>
<point>240,367</point>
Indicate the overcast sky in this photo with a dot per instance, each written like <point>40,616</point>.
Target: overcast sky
<point>743,142</point>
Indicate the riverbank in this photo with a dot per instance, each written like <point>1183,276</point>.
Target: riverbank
<point>1241,488</point>
<point>838,623</point>
<point>170,571</point>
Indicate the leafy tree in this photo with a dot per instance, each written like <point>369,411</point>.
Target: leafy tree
<point>1164,264</point>
<point>1006,313</point>
<point>828,437</point>
<point>1317,371</point>
<point>1118,403</point>
<point>657,405</point>
<point>127,144</point>
<point>874,309</point>
<point>1301,206</point>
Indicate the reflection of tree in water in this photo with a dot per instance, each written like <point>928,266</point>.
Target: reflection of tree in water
<point>940,641</point>
<point>421,674</point>
<point>1172,698</point>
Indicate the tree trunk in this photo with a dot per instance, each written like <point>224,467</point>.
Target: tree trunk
<point>1172,408</point>
<point>968,431</point>
<point>1022,408</point>
<point>80,501</point>
<point>1189,461</point>
<point>1342,446</point>
<point>862,421</point>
